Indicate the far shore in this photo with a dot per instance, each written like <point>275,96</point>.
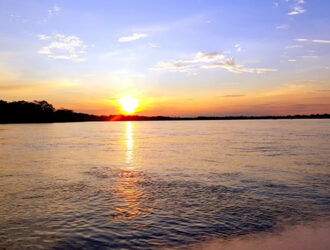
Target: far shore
<point>121,118</point>
<point>44,112</point>
<point>124,118</point>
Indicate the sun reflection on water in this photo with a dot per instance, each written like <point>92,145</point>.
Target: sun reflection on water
<point>129,142</point>
<point>130,196</point>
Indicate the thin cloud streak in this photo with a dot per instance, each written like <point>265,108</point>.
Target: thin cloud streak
<point>231,66</point>
<point>314,40</point>
<point>321,41</point>
<point>282,26</point>
<point>293,46</point>
<point>210,60</point>
<point>232,96</point>
<point>133,37</point>
<point>188,64</point>
<point>301,40</point>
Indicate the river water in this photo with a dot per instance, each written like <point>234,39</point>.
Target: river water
<point>166,184</point>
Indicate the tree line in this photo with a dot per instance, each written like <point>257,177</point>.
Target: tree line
<point>39,111</point>
<point>42,112</point>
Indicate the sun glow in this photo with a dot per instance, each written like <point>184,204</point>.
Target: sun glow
<point>128,104</point>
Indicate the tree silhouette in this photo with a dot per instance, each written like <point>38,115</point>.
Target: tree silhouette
<point>42,111</point>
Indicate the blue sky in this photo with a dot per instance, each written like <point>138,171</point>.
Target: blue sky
<point>230,57</point>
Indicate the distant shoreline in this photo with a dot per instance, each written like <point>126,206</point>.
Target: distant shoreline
<point>43,112</point>
<point>123,118</point>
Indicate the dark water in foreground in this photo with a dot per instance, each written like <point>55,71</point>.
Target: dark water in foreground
<point>160,184</point>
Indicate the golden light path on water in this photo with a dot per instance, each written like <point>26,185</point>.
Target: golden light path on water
<point>127,191</point>
<point>129,142</point>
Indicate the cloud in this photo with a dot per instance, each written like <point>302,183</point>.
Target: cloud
<point>210,60</point>
<point>282,27</point>
<point>297,8</point>
<point>207,57</point>
<point>63,47</point>
<point>18,18</point>
<point>231,66</point>
<point>172,66</point>
<point>293,46</point>
<point>133,37</point>
<point>292,60</point>
<point>314,41</point>
<point>310,57</point>
<point>238,47</point>
<point>54,11</point>
<point>188,64</point>
<point>301,40</point>
<point>231,96</point>
<point>17,87</point>
<point>321,41</point>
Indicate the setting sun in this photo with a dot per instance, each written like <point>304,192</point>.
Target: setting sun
<point>129,104</point>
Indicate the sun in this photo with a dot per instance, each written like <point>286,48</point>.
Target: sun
<point>128,104</point>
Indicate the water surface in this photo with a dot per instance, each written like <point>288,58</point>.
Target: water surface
<point>159,184</point>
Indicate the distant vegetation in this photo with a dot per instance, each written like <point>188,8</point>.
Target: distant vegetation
<point>42,111</point>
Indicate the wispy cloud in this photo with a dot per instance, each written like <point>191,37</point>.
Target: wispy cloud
<point>63,47</point>
<point>18,18</point>
<point>207,57</point>
<point>231,96</point>
<point>20,87</point>
<point>301,40</point>
<point>310,57</point>
<point>54,11</point>
<point>210,60</point>
<point>231,66</point>
<point>172,66</point>
<point>321,41</point>
<point>133,37</point>
<point>314,41</point>
<point>297,8</point>
<point>238,47</point>
<point>295,46</point>
<point>186,65</point>
<point>282,27</point>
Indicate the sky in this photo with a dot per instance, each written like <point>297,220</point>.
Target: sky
<point>179,58</point>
